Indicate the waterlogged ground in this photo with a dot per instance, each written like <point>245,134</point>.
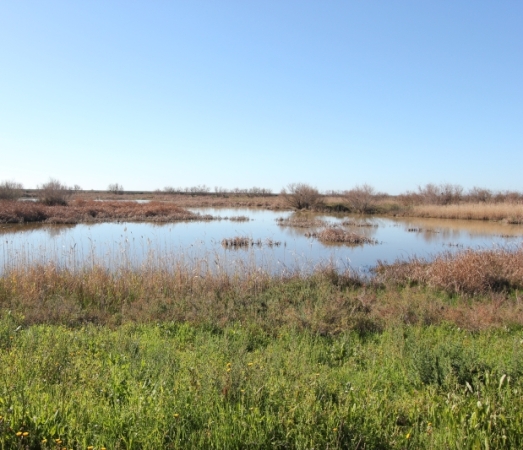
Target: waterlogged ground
<point>275,247</point>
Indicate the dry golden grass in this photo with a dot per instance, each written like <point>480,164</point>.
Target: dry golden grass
<point>508,212</point>
<point>469,272</point>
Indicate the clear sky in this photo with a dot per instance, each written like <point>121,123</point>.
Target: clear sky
<point>262,93</point>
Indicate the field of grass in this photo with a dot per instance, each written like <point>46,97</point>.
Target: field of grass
<point>177,385</point>
<point>425,355</point>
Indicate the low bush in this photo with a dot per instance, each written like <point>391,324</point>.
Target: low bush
<point>54,192</point>
<point>301,196</point>
<point>10,190</point>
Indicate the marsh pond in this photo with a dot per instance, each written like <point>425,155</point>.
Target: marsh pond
<point>274,241</point>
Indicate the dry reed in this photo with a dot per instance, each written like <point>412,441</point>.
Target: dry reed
<point>339,235</point>
<point>300,221</point>
<point>466,272</point>
<point>507,212</point>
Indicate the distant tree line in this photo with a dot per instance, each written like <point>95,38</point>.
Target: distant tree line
<point>220,191</point>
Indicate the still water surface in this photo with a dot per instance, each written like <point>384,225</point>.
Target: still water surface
<point>133,244</point>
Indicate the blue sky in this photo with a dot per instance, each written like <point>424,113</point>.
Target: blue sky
<point>262,93</point>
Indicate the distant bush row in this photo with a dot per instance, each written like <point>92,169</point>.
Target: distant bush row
<point>361,198</point>
<point>204,190</point>
<point>52,192</point>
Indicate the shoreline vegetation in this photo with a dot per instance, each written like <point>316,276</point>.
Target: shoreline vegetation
<point>423,355</point>
<point>56,203</point>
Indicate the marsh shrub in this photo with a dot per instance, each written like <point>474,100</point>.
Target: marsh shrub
<point>301,196</point>
<point>10,190</point>
<point>361,199</point>
<point>54,193</point>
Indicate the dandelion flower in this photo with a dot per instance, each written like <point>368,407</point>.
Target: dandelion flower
<point>25,433</point>
<point>19,433</point>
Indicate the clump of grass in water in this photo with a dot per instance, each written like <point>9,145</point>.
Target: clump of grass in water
<point>339,235</point>
<point>245,242</point>
<point>359,224</point>
<point>300,221</point>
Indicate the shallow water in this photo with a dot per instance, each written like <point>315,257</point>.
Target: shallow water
<point>133,244</point>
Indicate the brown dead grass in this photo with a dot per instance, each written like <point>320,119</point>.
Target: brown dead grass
<point>300,221</point>
<point>470,272</point>
<point>271,202</point>
<point>339,235</point>
<point>325,302</point>
<point>507,212</point>
<point>81,211</point>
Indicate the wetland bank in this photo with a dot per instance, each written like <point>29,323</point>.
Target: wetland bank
<point>124,333</point>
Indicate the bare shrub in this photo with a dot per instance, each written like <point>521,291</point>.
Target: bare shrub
<point>433,194</point>
<point>477,194</point>
<point>361,198</point>
<point>53,193</point>
<point>10,190</point>
<point>115,188</point>
<point>301,196</point>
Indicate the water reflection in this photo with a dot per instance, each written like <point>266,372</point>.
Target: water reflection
<point>134,244</point>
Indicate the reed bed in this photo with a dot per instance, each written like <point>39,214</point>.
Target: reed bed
<point>506,212</point>
<point>216,292</point>
<point>339,235</point>
<point>244,242</point>
<point>469,271</point>
<point>300,221</point>
<point>358,224</point>
<point>238,218</point>
<point>81,211</point>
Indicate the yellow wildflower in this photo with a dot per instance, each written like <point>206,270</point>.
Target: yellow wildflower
<point>176,415</point>
<point>25,433</point>
<point>19,433</point>
<point>407,436</point>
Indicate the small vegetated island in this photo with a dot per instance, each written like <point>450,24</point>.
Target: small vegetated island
<point>423,354</point>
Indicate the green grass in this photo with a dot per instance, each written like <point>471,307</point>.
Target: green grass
<point>175,385</point>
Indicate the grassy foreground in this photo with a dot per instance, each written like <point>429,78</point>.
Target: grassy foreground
<point>423,356</point>
<point>174,385</point>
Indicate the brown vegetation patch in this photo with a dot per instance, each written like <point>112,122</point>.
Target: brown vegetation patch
<point>300,221</point>
<point>81,211</point>
<point>466,272</point>
<point>506,212</point>
<point>339,235</point>
<point>358,224</point>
